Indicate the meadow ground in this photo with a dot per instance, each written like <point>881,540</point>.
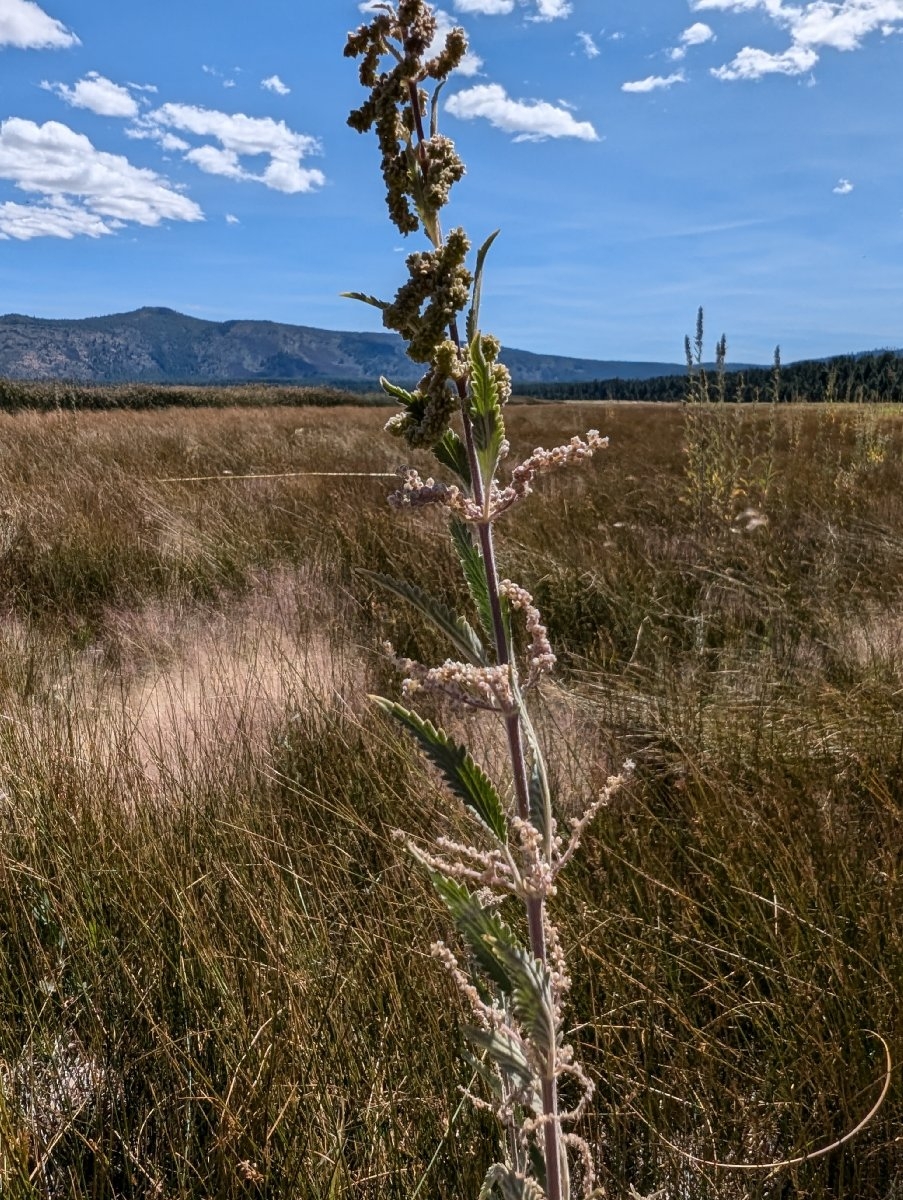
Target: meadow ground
<point>214,968</point>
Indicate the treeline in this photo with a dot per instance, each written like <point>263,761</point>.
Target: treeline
<point>866,378</point>
<point>49,395</point>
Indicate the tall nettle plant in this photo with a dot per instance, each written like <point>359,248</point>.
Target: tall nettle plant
<point>515,985</point>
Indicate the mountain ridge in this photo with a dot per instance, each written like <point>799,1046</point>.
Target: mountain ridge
<point>160,345</point>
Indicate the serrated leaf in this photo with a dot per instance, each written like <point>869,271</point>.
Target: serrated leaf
<point>504,1052</point>
<point>519,974</point>
<point>400,393</point>
<point>465,778</point>
<point>452,453</point>
<point>473,317</point>
<point>540,796</point>
<point>501,1183</point>
<point>484,1071</point>
<point>474,923</point>
<point>531,992</point>
<point>457,629</point>
<point>474,573</point>
<point>365,299</point>
<point>485,411</point>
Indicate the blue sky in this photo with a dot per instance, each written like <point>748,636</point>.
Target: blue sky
<point>641,159</point>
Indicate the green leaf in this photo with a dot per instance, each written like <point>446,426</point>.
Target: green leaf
<point>484,1071</point>
<point>519,974</point>
<point>474,573</point>
<point>365,299</point>
<point>501,1183</point>
<point>452,453</point>
<point>504,1052</point>
<point>459,631</point>
<point>473,317</point>
<point>434,108</point>
<point>485,411</point>
<point>464,777</point>
<point>400,393</point>
<point>540,796</point>
<point>474,923</point>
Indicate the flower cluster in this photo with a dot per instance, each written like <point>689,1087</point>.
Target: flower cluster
<point>417,180</point>
<point>542,660</point>
<point>474,687</point>
<point>418,493</point>
<point>541,461</point>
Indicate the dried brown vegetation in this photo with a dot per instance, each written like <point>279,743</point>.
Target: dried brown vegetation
<point>196,807</point>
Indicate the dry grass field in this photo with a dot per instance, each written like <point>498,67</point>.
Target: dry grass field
<point>214,968</point>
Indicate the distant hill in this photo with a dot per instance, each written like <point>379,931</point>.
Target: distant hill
<point>158,345</point>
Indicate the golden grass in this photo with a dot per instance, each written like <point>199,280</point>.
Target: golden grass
<point>215,974</point>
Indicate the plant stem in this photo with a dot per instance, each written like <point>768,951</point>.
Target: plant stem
<point>535,906</point>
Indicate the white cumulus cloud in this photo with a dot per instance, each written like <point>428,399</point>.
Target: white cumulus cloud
<point>529,120</point>
<point>85,190</point>
<point>837,24</point>
<point>843,188</point>
<point>97,94</point>
<point>588,43</point>
<point>238,137</point>
<point>27,27</point>
<point>23,222</point>
<point>552,10</point>
<point>654,83</point>
<point>491,8</point>
<point>543,10</point>
<point>274,84</point>
<point>754,64</point>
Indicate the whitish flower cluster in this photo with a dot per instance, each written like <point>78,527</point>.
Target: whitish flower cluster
<point>575,452</point>
<point>541,660</point>
<point>475,687</point>
<point>418,493</point>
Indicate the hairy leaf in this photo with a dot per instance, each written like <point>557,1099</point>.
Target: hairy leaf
<point>520,975</point>
<point>474,572</point>
<point>540,796</point>
<point>452,453</point>
<point>504,1052</point>
<point>485,411</point>
<point>456,628</point>
<point>473,317</point>
<point>365,299</point>
<point>501,1183</point>
<point>400,393</point>
<point>464,777</point>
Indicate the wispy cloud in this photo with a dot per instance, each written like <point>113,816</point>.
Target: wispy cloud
<point>588,44</point>
<point>231,219</point>
<point>492,8</point>
<point>543,10</point>
<point>528,120</point>
<point>98,95</point>
<point>274,84</point>
<point>237,137</point>
<point>84,191</point>
<point>27,27</point>
<point>654,83</point>
<point>754,64</point>
<point>836,24</point>
<point>843,188</point>
<point>696,35</point>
